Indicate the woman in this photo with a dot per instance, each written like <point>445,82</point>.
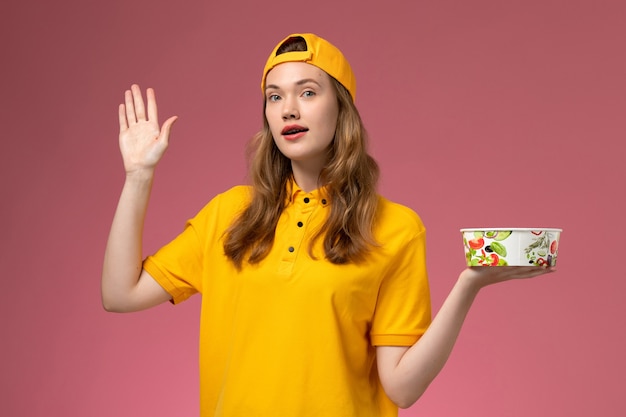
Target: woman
<point>315,298</point>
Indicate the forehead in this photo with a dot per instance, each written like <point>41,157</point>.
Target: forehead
<point>294,72</point>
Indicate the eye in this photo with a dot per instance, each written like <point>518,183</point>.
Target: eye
<point>273,97</point>
<point>308,93</point>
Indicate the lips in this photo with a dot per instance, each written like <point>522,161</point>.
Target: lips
<point>293,130</point>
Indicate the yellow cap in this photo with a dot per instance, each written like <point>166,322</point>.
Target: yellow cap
<point>320,53</point>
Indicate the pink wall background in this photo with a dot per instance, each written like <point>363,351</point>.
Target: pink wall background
<point>480,113</point>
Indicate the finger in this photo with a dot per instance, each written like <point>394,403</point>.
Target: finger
<point>130,107</point>
<point>140,110</point>
<point>122,117</point>
<point>153,115</point>
<point>534,272</point>
<point>166,129</point>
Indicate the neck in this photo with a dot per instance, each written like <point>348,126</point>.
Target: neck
<point>307,177</point>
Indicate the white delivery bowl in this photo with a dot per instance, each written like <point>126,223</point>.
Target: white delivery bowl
<point>512,246</point>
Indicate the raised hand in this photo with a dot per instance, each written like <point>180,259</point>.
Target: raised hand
<point>142,141</point>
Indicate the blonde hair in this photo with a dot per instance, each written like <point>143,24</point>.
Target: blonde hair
<point>349,176</point>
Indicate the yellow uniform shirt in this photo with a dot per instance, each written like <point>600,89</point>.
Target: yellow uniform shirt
<point>293,336</point>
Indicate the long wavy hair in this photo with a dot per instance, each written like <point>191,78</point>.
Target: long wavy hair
<point>349,177</point>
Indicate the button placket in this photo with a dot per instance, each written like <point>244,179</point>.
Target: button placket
<point>301,208</point>
<point>303,211</point>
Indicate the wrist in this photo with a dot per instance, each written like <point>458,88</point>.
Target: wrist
<point>140,175</point>
<point>468,283</point>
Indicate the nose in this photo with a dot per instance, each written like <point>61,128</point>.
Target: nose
<point>290,110</point>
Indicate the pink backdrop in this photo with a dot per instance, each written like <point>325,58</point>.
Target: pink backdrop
<point>481,112</point>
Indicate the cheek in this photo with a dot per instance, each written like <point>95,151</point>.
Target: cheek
<point>271,121</point>
<point>331,121</point>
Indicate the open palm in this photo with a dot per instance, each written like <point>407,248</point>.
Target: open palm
<point>142,141</point>
<point>482,276</point>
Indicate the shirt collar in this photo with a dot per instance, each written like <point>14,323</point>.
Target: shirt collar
<point>294,192</point>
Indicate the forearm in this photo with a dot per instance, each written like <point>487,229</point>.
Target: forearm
<point>422,362</point>
<point>123,256</point>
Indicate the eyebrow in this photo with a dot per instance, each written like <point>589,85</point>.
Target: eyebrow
<point>300,82</point>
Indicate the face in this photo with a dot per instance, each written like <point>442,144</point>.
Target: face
<point>301,109</point>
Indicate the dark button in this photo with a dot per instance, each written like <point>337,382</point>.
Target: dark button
<point>306,199</point>
<point>323,201</point>
<point>300,224</point>
<point>291,249</point>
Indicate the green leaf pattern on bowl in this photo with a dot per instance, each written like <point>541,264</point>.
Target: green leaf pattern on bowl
<point>489,248</point>
<point>538,252</point>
